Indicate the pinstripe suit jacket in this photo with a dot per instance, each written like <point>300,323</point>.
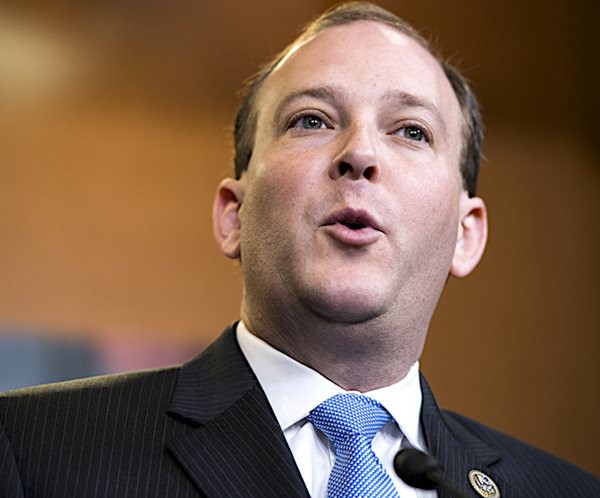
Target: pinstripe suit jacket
<point>207,429</point>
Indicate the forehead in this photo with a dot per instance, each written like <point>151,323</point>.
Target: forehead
<point>365,60</point>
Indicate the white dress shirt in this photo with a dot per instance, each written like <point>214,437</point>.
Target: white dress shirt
<point>293,390</point>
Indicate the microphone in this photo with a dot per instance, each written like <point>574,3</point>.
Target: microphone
<point>419,470</point>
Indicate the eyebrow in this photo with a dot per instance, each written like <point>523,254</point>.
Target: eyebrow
<point>330,94</point>
<point>406,99</point>
<point>325,93</point>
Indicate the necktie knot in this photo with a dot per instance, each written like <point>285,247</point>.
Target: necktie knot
<point>346,415</point>
<point>350,422</point>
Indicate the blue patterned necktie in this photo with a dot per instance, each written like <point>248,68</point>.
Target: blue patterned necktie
<point>350,422</point>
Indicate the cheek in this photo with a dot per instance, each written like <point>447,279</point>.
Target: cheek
<point>433,208</point>
<point>282,185</point>
<point>272,197</point>
<point>271,208</point>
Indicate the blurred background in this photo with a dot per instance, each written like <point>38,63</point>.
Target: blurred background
<point>115,120</point>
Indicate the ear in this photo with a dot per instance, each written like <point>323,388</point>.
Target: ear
<point>472,236</point>
<point>226,216</point>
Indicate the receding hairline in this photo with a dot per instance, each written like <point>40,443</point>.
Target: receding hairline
<point>315,29</point>
<point>345,14</point>
<point>411,100</point>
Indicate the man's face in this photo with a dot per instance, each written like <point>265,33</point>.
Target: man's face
<point>352,200</point>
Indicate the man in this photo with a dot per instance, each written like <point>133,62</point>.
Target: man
<point>354,199</point>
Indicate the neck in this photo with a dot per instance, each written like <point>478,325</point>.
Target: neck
<point>356,356</point>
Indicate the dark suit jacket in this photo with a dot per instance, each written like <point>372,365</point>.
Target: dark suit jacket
<point>207,429</point>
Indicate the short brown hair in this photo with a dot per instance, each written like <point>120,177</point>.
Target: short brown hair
<point>245,122</point>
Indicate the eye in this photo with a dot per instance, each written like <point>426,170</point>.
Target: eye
<point>308,122</point>
<point>413,133</point>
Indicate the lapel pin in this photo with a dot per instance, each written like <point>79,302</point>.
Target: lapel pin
<point>483,484</point>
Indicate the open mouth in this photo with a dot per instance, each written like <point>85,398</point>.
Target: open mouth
<point>353,225</point>
<point>354,219</point>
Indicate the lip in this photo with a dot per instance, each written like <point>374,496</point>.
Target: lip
<point>353,227</point>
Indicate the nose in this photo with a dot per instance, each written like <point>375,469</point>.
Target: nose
<point>357,158</point>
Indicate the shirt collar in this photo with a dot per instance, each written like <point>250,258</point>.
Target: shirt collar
<point>293,389</point>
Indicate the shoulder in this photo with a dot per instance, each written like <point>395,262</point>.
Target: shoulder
<point>525,465</point>
<point>139,394</point>
<point>98,383</point>
<point>108,393</point>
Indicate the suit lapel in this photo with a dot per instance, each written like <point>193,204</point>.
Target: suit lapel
<point>234,446</point>
<point>457,450</point>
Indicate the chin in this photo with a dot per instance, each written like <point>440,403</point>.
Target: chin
<point>346,307</point>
